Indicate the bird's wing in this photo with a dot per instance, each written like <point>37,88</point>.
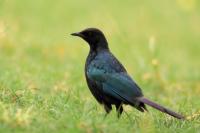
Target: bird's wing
<point>118,85</point>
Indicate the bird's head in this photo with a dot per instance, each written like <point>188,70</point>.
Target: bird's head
<point>94,37</point>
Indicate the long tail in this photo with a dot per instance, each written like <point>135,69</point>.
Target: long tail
<point>161,108</point>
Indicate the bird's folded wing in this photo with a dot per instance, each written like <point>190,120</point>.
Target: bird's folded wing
<point>118,85</point>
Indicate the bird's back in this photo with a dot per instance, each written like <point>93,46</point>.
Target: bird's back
<point>101,59</point>
<point>109,64</point>
<point>105,60</point>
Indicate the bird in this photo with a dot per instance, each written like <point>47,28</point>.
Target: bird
<point>109,81</point>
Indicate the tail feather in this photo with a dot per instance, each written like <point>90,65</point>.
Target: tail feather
<point>161,108</point>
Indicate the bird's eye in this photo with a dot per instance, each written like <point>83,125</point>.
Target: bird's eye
<point>89,33</point>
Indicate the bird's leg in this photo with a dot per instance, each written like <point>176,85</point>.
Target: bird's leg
<point>119,109</point>
<point>107,108</point>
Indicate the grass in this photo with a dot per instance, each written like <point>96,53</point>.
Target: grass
<point>42,85</point>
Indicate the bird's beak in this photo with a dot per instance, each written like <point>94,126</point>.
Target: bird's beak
<point>77,34</point>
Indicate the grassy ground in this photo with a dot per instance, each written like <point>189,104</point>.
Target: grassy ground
<point>42,85</point>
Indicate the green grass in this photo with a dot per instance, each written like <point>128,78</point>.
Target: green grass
<point>42,85</point>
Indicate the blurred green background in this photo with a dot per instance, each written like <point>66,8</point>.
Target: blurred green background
<point>42,85</point>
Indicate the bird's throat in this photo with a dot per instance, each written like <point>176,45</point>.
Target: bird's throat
<point>98,47</point>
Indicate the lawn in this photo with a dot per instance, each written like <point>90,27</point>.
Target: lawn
<point>42,84</point>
